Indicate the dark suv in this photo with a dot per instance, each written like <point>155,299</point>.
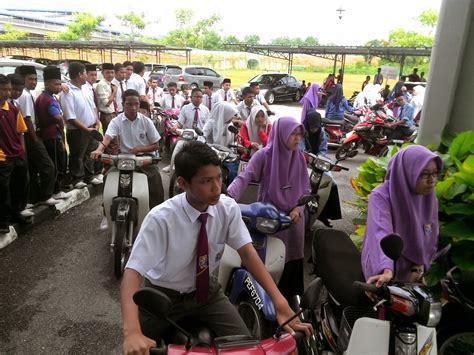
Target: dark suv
<point>276,86</point>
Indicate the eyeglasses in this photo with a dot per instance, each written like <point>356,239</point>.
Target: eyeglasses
<point>426,175</point>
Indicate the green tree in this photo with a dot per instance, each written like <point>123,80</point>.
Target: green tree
<point>212,40</point>
<point>311,41</point>
<point>374,43</point>
<point>183,17</point>
<point>134,22</point>
<point>287,41</point>
<point>80,29</point>
<point>252,39</point>
<point>428,18</point>
<point>9,34</point>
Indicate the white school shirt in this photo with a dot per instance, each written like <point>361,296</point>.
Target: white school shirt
<point>186,116</point>
<point>118,95</point>
<point>166,246</point>
<point>140,131</point>
<point>88,90</point>
<point>158,95</point>
<point>243,110</point>
<point>26,104</point>
<point>104,90</point>
<point>229,94</point>
<point>214,100</point>
<point>260,98</point>
<point>75,106</point>
<point>178,101</point>
<point>136,82</point>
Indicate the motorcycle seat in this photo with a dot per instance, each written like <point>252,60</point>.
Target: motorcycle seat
<point>332,122</point>
<point>338,262</point>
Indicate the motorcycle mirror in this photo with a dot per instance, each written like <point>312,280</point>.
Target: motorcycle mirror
<point>311,295</point>
<point>233,129</point>
<point>97,135</point>
<point>392,246</point>
<point>442,252</point>
<point>154,301</point>
<point>198,131</point>
<point>304,199</point>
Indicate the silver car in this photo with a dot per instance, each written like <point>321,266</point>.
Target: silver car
<point>193,75</point>
<point>8,66</point>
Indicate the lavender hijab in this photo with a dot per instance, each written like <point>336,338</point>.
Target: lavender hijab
<point>310,100</point>
<point>287,175</point>
<point>395,207</point>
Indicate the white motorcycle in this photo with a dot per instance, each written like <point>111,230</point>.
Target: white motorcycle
<point>126,202</point>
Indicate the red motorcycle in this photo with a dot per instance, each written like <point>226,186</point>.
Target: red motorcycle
<point>372,135</point>
<point>189,336</point>
<point>336,130</point>
<point>168,123</point>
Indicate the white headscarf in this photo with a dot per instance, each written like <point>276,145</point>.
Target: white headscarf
<point>216,128</point>
<point>418,98</point>
<point>252,127</point>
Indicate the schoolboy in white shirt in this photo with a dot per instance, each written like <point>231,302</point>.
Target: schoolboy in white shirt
<point>183,268</point>
<point>225,93</point>
<point>209,98</point>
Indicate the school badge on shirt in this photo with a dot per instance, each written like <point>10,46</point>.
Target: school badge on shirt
<point>427,228</point>
<point>203,262</point>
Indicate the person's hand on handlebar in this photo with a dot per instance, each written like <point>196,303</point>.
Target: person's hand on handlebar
<point>295,215</point>
<point>255,146</point>
<point>380,280</point>
<point>137,343</point>
<point>96,154</point>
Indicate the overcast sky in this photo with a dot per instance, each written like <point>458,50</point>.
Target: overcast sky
<point>361,21</point>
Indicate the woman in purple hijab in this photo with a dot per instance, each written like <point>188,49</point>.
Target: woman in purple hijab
<point>310,100</point>
<point>405,204</point>
<point>280,168</point>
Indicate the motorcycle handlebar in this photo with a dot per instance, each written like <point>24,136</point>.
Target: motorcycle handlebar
<point>366,287</point>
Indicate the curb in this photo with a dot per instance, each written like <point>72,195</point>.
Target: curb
<point>43,213</point>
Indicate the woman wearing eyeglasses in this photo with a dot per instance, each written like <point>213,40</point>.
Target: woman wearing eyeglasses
<point>405,203</point>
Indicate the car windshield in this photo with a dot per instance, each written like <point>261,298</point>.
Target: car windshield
<point>266,79</point>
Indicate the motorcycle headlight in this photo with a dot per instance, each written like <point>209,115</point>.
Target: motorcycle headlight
<point>126,164</point>
<point>232,158</point>
<point>430,312</point>
<point>267,226</point>
<point>322,165</point>
<point>188,135</point>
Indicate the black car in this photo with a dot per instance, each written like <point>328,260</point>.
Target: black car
<point>277,86</point>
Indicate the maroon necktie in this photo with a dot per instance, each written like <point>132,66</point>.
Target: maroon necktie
<point>196,117</point>
<point>225,96</point>
<point>202,263</point>
<point>172,102</point>
<point>154,95</point>
<point>96,102</point>
<point>210,103</point>
<point>121,87</point>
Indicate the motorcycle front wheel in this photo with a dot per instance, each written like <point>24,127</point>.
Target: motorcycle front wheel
<point>458,344</point>
<point>253,319</point>
<point>346,151</point>
<point>121,248</point>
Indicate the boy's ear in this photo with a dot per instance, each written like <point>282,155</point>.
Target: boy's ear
<point>182,183</point>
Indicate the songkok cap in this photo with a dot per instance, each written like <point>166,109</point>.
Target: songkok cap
<point>91,67</point>
<point>107,66</point>
<point>51,72</point>
<point>25,70</point>
<point>226,80</point>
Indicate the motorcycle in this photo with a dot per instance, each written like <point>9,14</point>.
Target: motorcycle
<point>191,336</point>
<point>456,328</point>
<point>170,123</point>
<point>125,200</point>
<point>371,134</point>
<point>400,318</point>
<point>321,183</point>
<point>253,303</point>
<point>336,130</point>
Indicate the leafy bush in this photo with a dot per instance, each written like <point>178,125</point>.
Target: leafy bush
<point>455,192</point>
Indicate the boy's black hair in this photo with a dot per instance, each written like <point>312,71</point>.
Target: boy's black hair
<point>118,67</point>
<point>138,67</point>
<point>129,92</point>
<point>209,84</point>
<point>4,80</point>
<point>192,157</point>
<point>247,90</point>
<point>398,94</point>
<point>172,84</point>
<point>127,63</point>
<point>76,68</point>
<point>195,90</point>
<point>254,84</point>
<point>145,105</point>
<point>184,87</point>
<point>16,79</point>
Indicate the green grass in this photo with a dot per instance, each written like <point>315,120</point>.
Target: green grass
<point>352,82</point>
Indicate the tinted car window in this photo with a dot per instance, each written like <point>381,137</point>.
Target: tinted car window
<point>210,72</point>
<point>291,80</point>
<point>191,71</point>
<point>173,71</point>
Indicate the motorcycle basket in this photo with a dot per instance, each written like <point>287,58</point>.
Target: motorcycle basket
<point>349,316</point>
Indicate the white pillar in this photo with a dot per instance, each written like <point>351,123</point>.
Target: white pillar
<point>449,98</point>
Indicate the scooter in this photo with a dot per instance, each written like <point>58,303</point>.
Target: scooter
<point>126,204</point>
<point>321,183</point>
<point>400,319</point>
<point>253,303</point>
<point>191,336</point>
<point>456,328</point>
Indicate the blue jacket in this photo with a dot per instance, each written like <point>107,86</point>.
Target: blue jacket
<point>334,113</point>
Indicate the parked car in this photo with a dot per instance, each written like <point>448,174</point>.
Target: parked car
<point>155,70</point>
<point>8,66</point>
<point>193,75</point>
<point>276,86</point>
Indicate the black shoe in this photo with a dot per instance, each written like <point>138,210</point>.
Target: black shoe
<point>4,228</point>
<point>326,222</point>
<point>22,220</point>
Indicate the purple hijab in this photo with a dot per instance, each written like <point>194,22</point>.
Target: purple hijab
<point>310,100</point>
<point>395,207</point>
